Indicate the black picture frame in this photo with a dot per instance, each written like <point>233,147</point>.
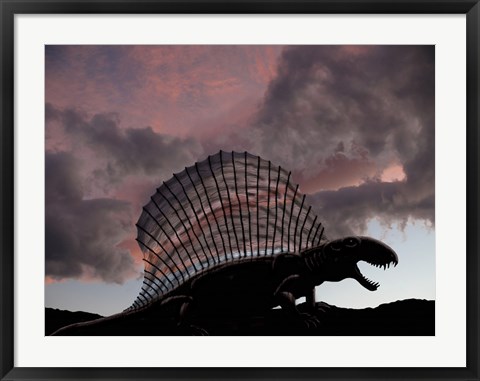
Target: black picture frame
<point>10,8</point>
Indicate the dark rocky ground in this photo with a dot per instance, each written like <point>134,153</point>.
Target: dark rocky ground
<point>55,318</point>
<point>411,317</point>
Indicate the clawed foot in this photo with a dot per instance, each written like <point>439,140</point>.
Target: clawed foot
<point>198,331</point>
<point>323,307</point>
<point>310,321</point>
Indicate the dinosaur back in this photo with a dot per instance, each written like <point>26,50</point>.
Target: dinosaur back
<point>229,207</point>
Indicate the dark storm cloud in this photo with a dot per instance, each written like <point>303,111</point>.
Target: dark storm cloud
<point>376,103</point>
<point>125,151</point>
<point>347,210</point>
<point>83,225</point>
<point>81,236</point>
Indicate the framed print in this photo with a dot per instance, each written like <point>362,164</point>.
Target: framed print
<point>242,190</point>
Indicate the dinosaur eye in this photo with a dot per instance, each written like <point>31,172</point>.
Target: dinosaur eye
<point>351,241</point>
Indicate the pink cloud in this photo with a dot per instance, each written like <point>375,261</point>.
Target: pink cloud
<point>339,171</point>
<point>170,88</point>
<point>393,173</point>
<point>50,280</point>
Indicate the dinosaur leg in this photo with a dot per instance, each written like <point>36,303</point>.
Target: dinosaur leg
<point>310,300</point>
<point>285,296</point>
<point>183,318</point>
<point>287,302</point>
<point>291,273</point>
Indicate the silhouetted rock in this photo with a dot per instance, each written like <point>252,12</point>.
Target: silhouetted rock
<point>410,317</point>
<point>55,318</point>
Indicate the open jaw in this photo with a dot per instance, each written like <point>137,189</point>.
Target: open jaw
<point>367,283</point>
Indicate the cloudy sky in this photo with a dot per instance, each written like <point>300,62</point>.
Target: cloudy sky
<point>355,124</point>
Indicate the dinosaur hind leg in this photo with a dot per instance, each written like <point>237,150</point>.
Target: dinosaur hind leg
<point>183,318</point>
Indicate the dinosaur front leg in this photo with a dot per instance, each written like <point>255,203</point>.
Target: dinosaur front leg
<point>285,296</point>
<point>310,299</point>
<point>284,293</point>
<point>292,272</point>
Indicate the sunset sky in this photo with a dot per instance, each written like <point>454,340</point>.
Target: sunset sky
<point>354,124</point>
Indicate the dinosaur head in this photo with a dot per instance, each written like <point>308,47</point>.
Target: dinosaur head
<point>340,258</point>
